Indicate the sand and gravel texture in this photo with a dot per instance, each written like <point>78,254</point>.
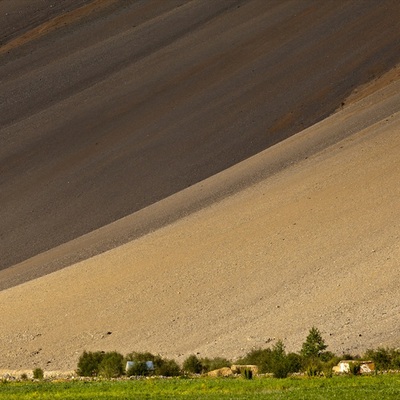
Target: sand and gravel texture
<point>315,244</point>
<point>305,232</point>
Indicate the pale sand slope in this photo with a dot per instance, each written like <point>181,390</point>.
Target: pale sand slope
<point>315,244</point>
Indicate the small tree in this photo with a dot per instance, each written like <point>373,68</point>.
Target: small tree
<point>280,363</point>
<point>314,345</point>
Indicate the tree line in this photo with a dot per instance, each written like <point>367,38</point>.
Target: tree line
<point>313,359</point>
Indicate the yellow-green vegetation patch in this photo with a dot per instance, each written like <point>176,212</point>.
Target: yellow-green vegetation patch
<point>385,386</point>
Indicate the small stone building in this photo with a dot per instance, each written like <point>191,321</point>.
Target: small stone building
<point>344,366</point>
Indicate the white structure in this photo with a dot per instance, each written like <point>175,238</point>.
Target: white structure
<point>344,366</point>
<point>131,364</point>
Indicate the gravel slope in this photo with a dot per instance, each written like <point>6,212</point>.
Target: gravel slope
<point>118,105</point>
<point>315,243</point>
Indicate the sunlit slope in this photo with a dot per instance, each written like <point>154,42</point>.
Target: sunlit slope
<point>108,111</point>
<point>314,244</point>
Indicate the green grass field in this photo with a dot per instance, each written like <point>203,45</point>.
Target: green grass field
<point>366,387</point>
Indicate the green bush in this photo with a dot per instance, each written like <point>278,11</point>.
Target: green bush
<point>168,368</point>
<point>24,377</point>
<point>295,362</point>
<point>346,356</point>
<point>162,367</point>
<point>395,362</point>
<point>139,368</point>
<point>111,365</point>
<point>327,356</point>
<point>313,369</point>
<point>143,356</point>
<point>260,357</point>
<point>327,366</point>
<point>382,357</point>
<point>274,360</point>
<point>89,362</point>
<point>38,373</point>
<point>192,365</point>
<point>327,370</point>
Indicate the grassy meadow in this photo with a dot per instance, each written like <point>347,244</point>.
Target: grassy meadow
<point>339,387</point>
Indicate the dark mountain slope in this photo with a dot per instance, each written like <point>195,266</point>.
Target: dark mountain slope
<point>119,108</point>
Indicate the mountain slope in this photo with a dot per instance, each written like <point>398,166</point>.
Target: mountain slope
<point>112,109</point>
<point>316,243</point>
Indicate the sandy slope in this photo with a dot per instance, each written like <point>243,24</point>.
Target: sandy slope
<point>314,244</point>
<point>106,110</point>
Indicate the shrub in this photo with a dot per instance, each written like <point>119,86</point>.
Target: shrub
<point>395,364</point>
<point>327,366</point>
<point>280,370</point>
<point>192,365</point>
<point>89,362</point>
<point>381,357</point>
<point>139,368</point>
<point>327,356</point>
<point>24,377</point>
<point>111,365</point>
<point>346,356</point>
<point>168,368</point>
<point>327,370</point>
<point>274,360</point>
<point>295,362</point>
<point>314,368</point>
<point>145,357</point>
<point>162,367</point>
<point>260,357</point>
<point>38,373</point>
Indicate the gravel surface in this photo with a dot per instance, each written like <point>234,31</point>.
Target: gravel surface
<point>114,108</point>
<point>314,244</point>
